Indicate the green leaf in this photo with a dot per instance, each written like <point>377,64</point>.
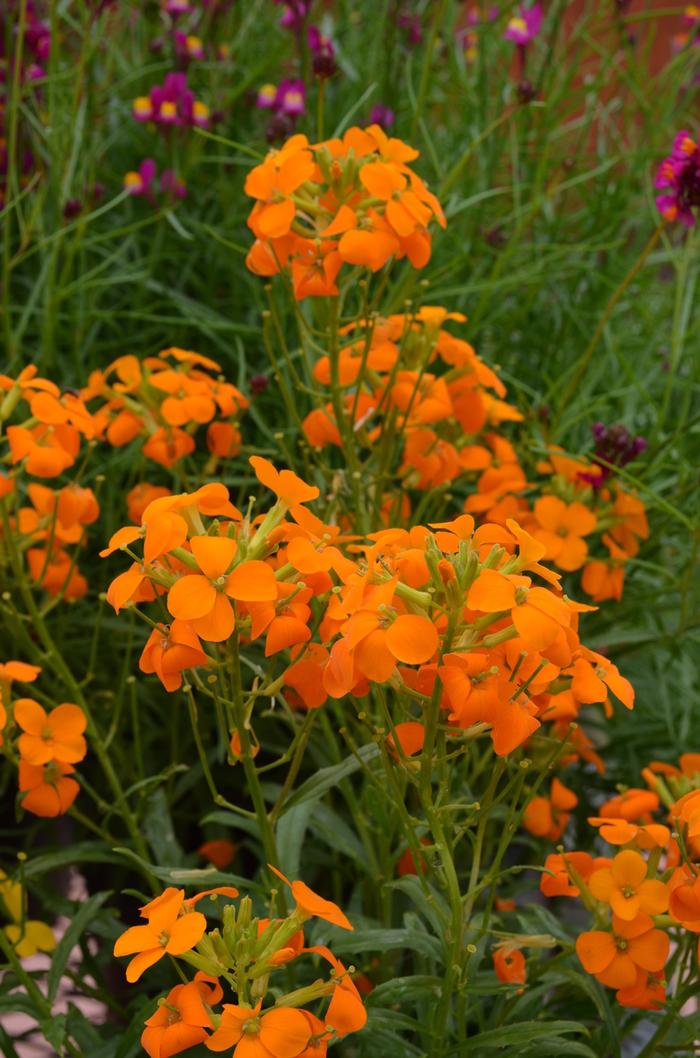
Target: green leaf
<point>201,877</point>
<point>382,940</point>
<point>54,1031</point>
<point>332,829</point>
<point>326,778</point>
<point>6,1047</point>
<point>522,1033</point>
<point>290,837</point>
<point>85,913</point>
<point>82,852</point>
<point>159,831</point>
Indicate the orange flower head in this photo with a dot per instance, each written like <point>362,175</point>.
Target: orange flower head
<point>311,905</point>
<point>625,887</point>
<point>182,1019</point>
<point>168,932</point>
<point>614,958</point>
<point>54,736</point>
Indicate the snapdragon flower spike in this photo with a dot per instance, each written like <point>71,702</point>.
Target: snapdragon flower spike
<point>678,177</point>
<point>352,201</point>
<point>523,27</point>
<point>172,103</point>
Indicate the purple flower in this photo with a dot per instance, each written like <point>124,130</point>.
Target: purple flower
<point>679,176</point>
<point>291,98</point>
<point>523,28</point>
<point>265,99</point>
<point>614,445</point>
<point>412,26</point>
<point>294,14</point>
<point>322,52</point>
<point>382,115</point>
<point>171,184</point>
<point>139,182</point>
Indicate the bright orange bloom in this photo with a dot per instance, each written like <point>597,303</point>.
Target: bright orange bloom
<point>311,905</point>
<point>594,675</point>
<point>537,613</point>
<point>282,1032</point>
<point>546,817</point>
<point>647,993</point>
<point>509,964</point>
<point>625,886</point>
<point>57,735</point>
<point>138,498</point>
<point>346,1011</point>
<point>203,599</point>
<point>475,694</point>
<point>561,528</point>
<point>47,789</point>
<point>169,650</point>
<point>614,958</point>
<point>560,868</point>
<point>183,1018</point>
<point>286,485</point>
<point>634,805</point>
<point>219,851</point>
<point>622,832</point>
<point>684,898</point>
<point>168,932</point>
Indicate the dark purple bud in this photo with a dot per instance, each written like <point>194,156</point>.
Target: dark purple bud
<point>72,208</point>
<point>525,92</point>
<point>258,384</point>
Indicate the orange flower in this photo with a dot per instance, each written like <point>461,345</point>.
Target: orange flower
<point>622,832</point>
<point>346,1011</point>
<point>546,817</point>
<point>625,886</point>
<point>509,964</point>
<point>182,1020</point>
<point>219,851</point>
<point>203,599</point>
<point>289,489</point>
<point>615,958</point>
<point>684,898</point>
<point>275,181</point>
<point>282,1032</point>
<point>594,675</point>
<point>311,905</point>
<point>138,498</point>
<point>169,650</point>
<point>560,868</point>
<point>57,735</point>
<point>47,789</point>
<point>561,528</point>
<point>168,932</point>
<point>633,805</point>
<point>538,614</point>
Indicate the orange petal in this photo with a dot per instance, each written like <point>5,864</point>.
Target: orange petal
<point>252,581</point>
<point>412,639</point>
<point>191,596</point>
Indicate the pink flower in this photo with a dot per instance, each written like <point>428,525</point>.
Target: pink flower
<point>679,176</point>
<point>523,28</point>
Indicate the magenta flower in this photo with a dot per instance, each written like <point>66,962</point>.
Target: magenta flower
<point>523,28</point>
<point>291,98</point>
<point>294,14</point>
<point>265,99</point>
<point>139,182</point>
<point>171,103</point>
<point>382,115</point>
<point>679,176</point>
<point>322,52</point>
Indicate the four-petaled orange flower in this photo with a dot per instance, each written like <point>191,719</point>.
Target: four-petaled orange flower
<point>168,932</point>
<point>57,735</point>
<point>561,528</point>
<point>615,958</point>
<point>625,886</point>
<point>282,1032</point>
<point>182,1018</point>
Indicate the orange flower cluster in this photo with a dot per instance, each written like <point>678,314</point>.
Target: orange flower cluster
<point>351,201</point>
<point>450,613</point>
<point>47,745</point>
<point>648,893</point>
<point>388,385</point>
<point>567,510</point>
<point>245,952</point>
<point>47,440</point>
<point>166,398</point>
